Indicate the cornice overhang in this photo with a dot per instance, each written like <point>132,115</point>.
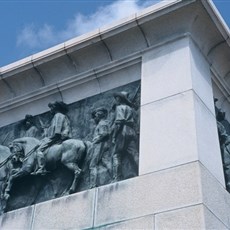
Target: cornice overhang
<point>125,39</point>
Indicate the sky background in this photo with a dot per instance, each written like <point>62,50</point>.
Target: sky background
<point>30,26</point>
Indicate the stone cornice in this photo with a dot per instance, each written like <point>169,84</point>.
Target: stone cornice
<point>77,59</point>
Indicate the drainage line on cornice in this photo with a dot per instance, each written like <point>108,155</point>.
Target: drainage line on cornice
<point>143,33</point>
<point>71,59</point>
<point>8,85</point>
<point>99,85</point>
<point>39,74</point>
<point>106,47</point>
<point>59,91</point>
<point>215,46</point>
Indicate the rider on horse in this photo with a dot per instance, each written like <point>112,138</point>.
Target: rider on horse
<point>58,131</point>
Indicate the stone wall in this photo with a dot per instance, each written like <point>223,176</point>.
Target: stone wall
<point>176,50</point>
<point>182,197</point>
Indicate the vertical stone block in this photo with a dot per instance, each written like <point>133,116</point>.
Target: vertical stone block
<point>201,76</point>
<point>166,71</point>
<point>168,133</point>
<point>207,140</point>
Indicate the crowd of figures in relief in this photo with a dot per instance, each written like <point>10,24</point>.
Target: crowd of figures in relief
<point>46,160</point>
<point>224,140</point>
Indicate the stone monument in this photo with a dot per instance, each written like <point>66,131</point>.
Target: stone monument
<point>126,127</point>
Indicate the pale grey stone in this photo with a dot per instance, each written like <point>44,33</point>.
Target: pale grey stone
<point>185,218</point>
<point>96,55</point>
<point>56,70</point>
<point>70,212</point>
<point>142,223</point>
<point>189,218</point>
<point>201,76</point>
<point>215,196</point>
<point>161,76</point>
<point>174,131</point>
<point>81,91</point>
<point>20,219</point>
<point>212,222</point>
<point>148,194</point>
<point>120,77</point>
<point>120,47</point>
<point>168,133</point>
<point>207,140</point>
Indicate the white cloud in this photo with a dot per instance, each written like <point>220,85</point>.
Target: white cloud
<point>32,37</point>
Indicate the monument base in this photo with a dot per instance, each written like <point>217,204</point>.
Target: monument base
<point>182,197</point>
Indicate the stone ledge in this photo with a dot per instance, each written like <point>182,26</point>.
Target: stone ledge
<point>18,219</point>
<point>193,217</point>
<point>74,211</point>
<point>184,191</point>
<point>148,194</point>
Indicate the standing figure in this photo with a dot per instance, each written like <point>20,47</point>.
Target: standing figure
<point>100,142</point>
<point>224,140</point>
<point>124,137</point>
<point>31,129</point>
<point>58,132</point>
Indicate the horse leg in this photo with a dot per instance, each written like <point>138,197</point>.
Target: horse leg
<point>10,182</point>
<point>76,170</point>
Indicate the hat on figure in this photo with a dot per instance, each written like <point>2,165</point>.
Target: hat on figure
<point>58,106</point>
<point>29,118</point>
<point>124,97</point>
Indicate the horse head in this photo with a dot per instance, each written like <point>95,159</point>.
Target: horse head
<point>18,153</point>
<point>26,144</point>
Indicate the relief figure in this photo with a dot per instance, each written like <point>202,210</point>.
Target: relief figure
<point>124,137</point>
<point>224,140</point>
<point>58,131</point>
<point>30,127</point>
<point>100,143</point>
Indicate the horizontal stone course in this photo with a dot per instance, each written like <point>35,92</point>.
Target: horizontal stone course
<point>194,217</point>
<point>70,212</point>
<point>186,196</point>
<point>148,194</point>
<point>146,222</point>
<point>17,220</point>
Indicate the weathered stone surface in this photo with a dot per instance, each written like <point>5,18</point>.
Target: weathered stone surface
<point>212,221</point>
<point>149,194</point>
<point>215,197</point>
<point>146,223</point>
<point>194,217</point>
<point>20,219</point>
<point>160,78</point>
<point>207,140</point>
<point>174,131</point>
<point>71,212</point>
<point>201,76</point>
<point>165,141</point>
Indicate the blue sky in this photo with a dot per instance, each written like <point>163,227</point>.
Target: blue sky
<point>30,26</point>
